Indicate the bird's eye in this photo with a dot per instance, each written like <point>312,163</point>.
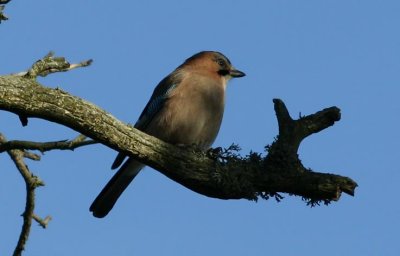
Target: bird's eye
<point>221,62</point>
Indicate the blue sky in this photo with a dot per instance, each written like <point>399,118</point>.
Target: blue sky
<point>311,54</point>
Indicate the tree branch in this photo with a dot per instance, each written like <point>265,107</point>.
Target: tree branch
<point>79,141</point>
<point>220,175</point>
<point>31,183</point>
<point>42,222</point>
<point>50,64</point>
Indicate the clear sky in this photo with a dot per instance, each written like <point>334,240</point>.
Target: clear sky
<point>311,54</point>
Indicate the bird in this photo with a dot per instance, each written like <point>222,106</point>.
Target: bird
<point>186,108</point>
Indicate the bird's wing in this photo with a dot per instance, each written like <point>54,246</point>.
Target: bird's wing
<point>159,97</point>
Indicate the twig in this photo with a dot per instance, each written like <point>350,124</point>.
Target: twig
<point>30,155</point>
<point>42,222</point>
<point>79,141</point>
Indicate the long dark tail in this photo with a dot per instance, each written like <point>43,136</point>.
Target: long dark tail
<point>107,198</point>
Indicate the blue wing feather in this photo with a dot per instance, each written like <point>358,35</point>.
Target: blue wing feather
<point>159,97</point>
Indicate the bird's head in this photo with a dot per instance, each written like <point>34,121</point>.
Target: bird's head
<point>214,63</point>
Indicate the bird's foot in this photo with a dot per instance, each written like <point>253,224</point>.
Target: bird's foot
<point>214,153</point>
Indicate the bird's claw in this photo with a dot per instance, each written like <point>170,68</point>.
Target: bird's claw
<point>214,153</point>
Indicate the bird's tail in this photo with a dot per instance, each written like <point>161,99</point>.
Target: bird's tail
<point>107,198</point>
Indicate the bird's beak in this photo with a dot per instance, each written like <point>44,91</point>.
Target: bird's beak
<point>236,73</point>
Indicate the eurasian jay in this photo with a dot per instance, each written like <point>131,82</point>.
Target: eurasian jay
<point>186,108</point>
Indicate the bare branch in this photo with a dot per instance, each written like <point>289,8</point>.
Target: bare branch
<point>79,141</point>
<point>84,63</point>
<point>31,182</point>
<point>31,156</point>
<point>42,222</point>
<point>50,64</point>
